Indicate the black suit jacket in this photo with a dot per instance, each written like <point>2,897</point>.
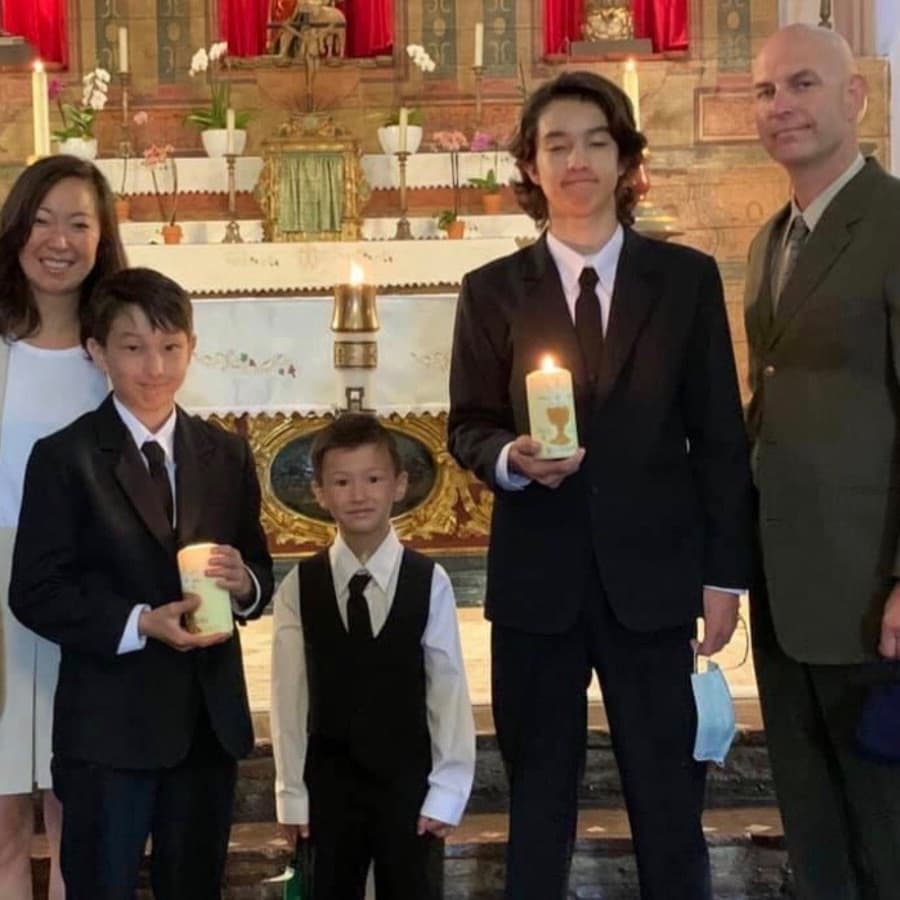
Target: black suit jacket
<point>661,503</point>
<point>92,543</point>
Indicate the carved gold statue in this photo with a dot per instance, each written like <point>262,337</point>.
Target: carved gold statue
<point>607,20</point>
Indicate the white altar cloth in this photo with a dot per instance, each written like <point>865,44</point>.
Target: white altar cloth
<point>231,269</point>
<point>203,175</point>
<point>265,355</point>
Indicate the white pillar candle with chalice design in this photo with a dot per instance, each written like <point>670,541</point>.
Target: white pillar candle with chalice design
<point>551,410</point>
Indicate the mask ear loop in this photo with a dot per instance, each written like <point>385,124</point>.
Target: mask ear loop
<point>742,622</point>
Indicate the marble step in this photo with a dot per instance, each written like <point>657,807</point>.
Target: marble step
<point>746,851</point>
<point>745,780</point>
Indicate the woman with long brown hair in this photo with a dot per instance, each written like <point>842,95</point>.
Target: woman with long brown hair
<point>58,236</point>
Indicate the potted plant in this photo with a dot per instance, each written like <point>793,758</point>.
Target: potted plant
<point>448,220</point>
<point>157,158</point>
<point>76,137</point>
<point>389,132</point>
<point>491,198</point>
<point>213,121</point>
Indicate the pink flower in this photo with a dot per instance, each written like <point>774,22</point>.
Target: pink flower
<point>54,88</point>
<point>155,155</point>
<point>481,140</point>
<point>450,140</point>
<point>141,118</point>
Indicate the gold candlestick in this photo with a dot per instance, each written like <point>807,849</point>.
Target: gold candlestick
<point>479,84</point>
<point>403,232</point>
<point>232,229</point>
<point>825,14</point>
<point>125,149</point>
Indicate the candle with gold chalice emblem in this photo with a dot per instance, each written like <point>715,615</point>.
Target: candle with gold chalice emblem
<point>551,410</point>
<point>355,324</point>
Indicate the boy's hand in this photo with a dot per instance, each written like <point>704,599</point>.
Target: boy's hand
<point>227,566</point>
<point>293,833</point>
<point>549,472</point>
<point>165,624</point>
<point>433,826</point>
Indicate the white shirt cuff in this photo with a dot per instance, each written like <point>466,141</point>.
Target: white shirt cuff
<point>132,640</point>
<point>240,609</point>
<point>509,481</point>
<point>444,805</point>
<point>736,591</point>
<point>292,807</point>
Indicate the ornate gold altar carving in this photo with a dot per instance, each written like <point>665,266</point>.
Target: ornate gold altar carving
<point>454,516</point>
<point>306,29</point>
<point>311,134</point>
<point>607,20</point>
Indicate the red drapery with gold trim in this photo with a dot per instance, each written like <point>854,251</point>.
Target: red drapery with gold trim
<point>42,23</point>
<point>663,21</point>
<point>370,25</point>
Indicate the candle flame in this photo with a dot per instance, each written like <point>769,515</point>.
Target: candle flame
<point>630,64</point>
<point>38,66</point>
<point>356,274</point>
<point>548,363</point>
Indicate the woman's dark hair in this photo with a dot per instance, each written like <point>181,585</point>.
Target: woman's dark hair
<point>19,315</point>
<point>615,105</point>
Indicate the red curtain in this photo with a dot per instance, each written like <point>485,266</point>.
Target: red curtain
<point>243,24</point>
<point>370,27</point>
<point>663,21</point>
<point>42,23</point>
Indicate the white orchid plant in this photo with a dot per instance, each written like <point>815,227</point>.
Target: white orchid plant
<point>424,63</point>
<point>210,62</point>
<point>78,121</point>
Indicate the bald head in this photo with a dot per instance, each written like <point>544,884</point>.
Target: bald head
<point>809,96</point>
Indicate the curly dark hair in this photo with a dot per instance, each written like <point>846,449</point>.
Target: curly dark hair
<point>19,315</point>
<point>614,104</point>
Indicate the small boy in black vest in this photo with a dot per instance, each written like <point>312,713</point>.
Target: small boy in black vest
<point>371,721</point>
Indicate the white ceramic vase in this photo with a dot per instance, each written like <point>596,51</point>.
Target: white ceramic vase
<point>389,138</point>
<point>215,141</point>
<point>86,148</point>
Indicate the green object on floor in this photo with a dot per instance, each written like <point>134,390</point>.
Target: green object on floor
<point>299,884</point>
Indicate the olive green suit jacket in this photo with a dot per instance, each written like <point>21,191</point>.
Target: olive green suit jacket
<point>824,414</point>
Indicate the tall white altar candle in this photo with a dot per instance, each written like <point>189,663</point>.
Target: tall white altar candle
<point>551,410</point>
<point>632,89</point>
<point>123,49</point>
<point>40,110</point>
<point>229,130</point>
<point>479,44</point>
<point>404,126</point>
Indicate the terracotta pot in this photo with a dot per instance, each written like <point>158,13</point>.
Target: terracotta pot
<point>456,230</point>
<point>123,209</point>
<point>172,234</point>
<point>492,203</point>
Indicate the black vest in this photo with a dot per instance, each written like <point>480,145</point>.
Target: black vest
<point>368,702</point>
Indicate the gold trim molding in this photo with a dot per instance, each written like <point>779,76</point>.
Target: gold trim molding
<point>454,517</point>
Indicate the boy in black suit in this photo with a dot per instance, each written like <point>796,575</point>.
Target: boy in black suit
<point>371,721</point>
<point>149,718</point>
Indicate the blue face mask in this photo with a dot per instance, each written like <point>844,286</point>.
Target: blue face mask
<point>716,724</point>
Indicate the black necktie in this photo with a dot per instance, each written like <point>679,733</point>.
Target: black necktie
<point>796,238</point>
<point>156,459</point>
<point>589,321</point>
<point>359,624</point>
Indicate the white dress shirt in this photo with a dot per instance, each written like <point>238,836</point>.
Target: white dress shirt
<point>132,639</point>
<point>449,710</point>
<point>816,209</point>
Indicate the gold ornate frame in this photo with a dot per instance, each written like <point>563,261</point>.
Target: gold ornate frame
<point>453,518</point>
<point>312,133</point>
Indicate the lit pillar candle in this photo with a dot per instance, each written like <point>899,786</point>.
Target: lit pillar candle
<point>479,43</point>
<point>40,110</point>
<point>123,50</point>
<point>551,410</point>
<point>632,90</point>
<point>404,127</point>
<point>355,324</point>
<point>229,130</point>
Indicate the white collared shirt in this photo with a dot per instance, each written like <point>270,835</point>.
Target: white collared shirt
<point>816,209</point>
<point>450,721</point>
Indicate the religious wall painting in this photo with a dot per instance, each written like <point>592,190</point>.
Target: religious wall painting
<point>500,46</point>
<point>110,15</point>
<point>173,35</point>
<point>440,35</point>
<point>734,50</point>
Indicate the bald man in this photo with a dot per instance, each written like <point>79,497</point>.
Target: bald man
<point>822,309</point>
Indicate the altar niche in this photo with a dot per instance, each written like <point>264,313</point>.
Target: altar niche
<point>312,186</point>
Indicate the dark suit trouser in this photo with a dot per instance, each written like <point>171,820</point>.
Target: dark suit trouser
<point>357,819</point>
<point>109,813</point>
<point>540,712</point>
<point>841,811</point>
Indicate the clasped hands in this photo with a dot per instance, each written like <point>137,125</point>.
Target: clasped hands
<point>166,623</point>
